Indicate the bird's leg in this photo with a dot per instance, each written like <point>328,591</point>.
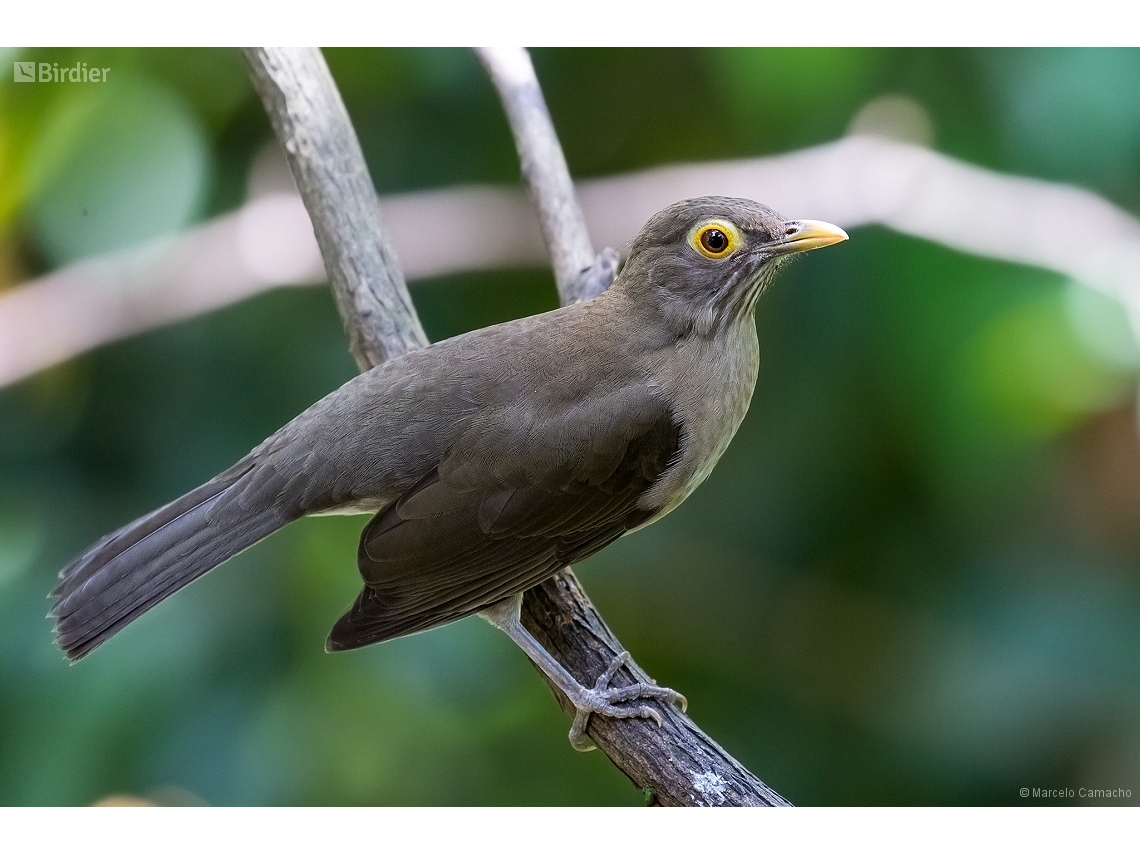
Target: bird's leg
<point>601,699</point>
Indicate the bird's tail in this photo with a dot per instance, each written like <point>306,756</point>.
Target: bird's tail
<point>133,569</point>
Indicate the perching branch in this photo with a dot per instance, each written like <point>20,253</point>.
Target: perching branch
<point>310,121</point>
<point>676,762</point>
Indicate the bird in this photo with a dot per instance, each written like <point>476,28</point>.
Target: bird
<point>491,460</point>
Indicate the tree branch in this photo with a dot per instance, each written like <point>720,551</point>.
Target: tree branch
<point>676,762</point>
<point>544,169</point>
<point>310,121</point>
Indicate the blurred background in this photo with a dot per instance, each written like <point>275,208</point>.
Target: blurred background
<point>914,578</point>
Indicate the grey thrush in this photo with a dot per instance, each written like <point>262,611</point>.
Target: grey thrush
<point>491,460</point>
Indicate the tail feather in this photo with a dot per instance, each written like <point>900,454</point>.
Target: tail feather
<point>133,569</point>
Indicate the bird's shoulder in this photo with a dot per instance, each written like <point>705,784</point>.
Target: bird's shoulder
<point>559,367</point>
<point>551,399</point>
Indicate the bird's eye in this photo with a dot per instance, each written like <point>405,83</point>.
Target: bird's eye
<point>715,240</point>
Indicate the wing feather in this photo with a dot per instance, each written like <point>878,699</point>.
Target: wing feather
<point>478,528</point>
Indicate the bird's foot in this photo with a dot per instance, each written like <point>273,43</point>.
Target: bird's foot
<point>603,700</point>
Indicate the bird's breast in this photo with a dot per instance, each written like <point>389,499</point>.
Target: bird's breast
<point>711,383</point>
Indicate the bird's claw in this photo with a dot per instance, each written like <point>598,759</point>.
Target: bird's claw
<point>602,699</point>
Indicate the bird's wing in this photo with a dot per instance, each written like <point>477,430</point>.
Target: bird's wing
<point>489,522</point>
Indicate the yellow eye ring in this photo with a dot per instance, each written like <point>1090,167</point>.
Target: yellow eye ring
<point>715,239</point>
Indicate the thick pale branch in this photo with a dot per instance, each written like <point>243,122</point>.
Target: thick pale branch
<point>309,118</point>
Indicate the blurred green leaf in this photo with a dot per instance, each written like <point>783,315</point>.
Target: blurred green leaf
<point>22,533</point>
<point>783,97</point>
<point>1030,371</point>
<point>115,165</point>
<point>1071,113</point>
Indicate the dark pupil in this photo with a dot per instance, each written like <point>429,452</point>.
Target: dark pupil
<point>714,240</point>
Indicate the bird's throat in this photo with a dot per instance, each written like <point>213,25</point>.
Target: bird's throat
<point>713,379</point>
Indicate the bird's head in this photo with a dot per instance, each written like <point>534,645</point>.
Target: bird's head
<point>705,261</point>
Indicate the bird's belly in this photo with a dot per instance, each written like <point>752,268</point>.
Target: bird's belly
<point>699,457</point>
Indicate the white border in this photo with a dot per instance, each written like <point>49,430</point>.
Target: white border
<point>580,22</point>
<point>554,831</point>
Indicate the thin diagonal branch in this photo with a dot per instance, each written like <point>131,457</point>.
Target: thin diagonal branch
<point>677,761</point>
<point>547,177</point>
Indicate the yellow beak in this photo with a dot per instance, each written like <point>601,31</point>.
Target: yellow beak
<point>803,235</point>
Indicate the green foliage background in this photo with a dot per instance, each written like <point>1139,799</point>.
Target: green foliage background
<point>914,578</point>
